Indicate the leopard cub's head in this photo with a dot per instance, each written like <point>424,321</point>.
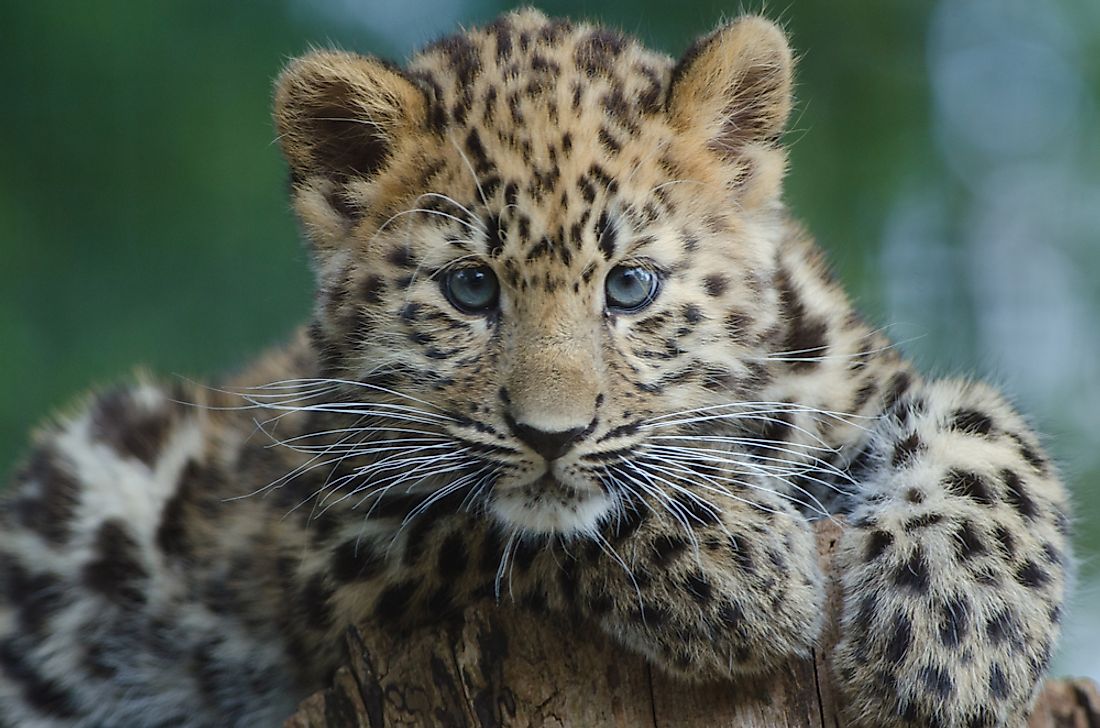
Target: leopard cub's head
<point>536,244</point>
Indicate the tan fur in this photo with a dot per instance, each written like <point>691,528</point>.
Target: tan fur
<point>193,555</point>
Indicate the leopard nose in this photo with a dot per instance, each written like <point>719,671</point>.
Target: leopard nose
<point>551,445</point>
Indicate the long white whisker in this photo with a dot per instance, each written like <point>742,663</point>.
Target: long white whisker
<point>476,220</point>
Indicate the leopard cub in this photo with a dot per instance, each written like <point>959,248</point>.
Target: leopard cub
<point>569,352</point>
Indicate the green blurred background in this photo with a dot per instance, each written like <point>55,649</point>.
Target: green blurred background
<point>947,154</point>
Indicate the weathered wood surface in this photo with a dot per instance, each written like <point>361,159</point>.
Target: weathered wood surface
<point>498,667</point>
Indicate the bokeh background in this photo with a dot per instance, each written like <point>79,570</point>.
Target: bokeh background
<point>946,153</point>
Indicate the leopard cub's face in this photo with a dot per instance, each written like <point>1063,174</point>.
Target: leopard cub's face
<point>537,246</point>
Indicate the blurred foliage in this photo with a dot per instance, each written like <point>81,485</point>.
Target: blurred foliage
<point>143,218</point>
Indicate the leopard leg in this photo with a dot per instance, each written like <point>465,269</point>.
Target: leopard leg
<point>954,569</point>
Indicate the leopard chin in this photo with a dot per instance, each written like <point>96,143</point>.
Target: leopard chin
<point>547,506</point>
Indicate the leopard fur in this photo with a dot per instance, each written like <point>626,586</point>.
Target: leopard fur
<point>175,554</point>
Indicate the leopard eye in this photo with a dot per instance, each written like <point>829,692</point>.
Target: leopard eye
<point>630,288</point>
<point>472,289</point>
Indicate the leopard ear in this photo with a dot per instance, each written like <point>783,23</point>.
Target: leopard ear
<point>340,115</point>
<point>734,86</point>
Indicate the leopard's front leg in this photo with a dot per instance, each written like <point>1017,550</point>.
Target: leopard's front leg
<point>954,568</point>
<point>702,592</point>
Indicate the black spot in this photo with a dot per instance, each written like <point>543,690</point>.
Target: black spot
<point>356,560</point>
<point>1032,575</point>
<point>877,542</point>
<point>606,236</point>
<point>609,142</point>
<point>923,521</point>
<point>502,34</point>
<point>541,249</point>
<point>908,711</point>
<point>599,604</point>
<point>906,450</point>
<point>864,393</point>
<point>898,386</point>
<point>410,312</point>
<point>393,603</point>
<point>401,256</point>
<point>938,680</point>
<point>954,621</point>
<point>1062,522</point>
<point>50,513</point>
<point>982,719</point>
<point>441,602</point>
<point>652,614</point>
<point>968,543</point>
<point>715,284</point>
<point>1017,494</point>
<point>628,523</point>
<point>1052,555</point>
<point>1007,541</point>
<point>452,557</point>
<point>38,596</point>
<point>731,613</point>
<point>44,695</point>
<point>971,421</point>
<point>692,314</point>
<point>621,110</point>
<point>696,508</point>
<point>913,574</point>
<point>777,426</point>
<point>666,548</point>
<point>474,146</point>
<point>493,239</point>
<point>865,615</point>
<point>417,538</point>
<point>998,683</point>
<point>95,661</point>
<point>535,601</point>
<point>491,551</point>
<point>1033,458</point>
<point>1002,626</point>
<point>463,56</point>
<point>699,588</point>
<point>525,552</point>
<point>901,639</point>
<point>596,53</point>
<point>741,552</point>
<point>315,602</point>
<point>805,337</point>
<point>968,484</point>
<point>371,289</point>
<point>171,536</point>
<point>129,427</point>
<point>116,572</point>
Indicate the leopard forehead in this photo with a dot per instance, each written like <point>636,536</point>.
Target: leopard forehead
<point>544,125</point>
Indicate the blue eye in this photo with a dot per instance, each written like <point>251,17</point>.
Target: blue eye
<point>630,288</point>
<point>471,289</point>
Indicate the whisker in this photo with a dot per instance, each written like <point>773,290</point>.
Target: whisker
<point>476,220</point>
<point>684,471</point>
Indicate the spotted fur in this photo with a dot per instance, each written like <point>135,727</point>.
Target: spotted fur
<point>190,556</point>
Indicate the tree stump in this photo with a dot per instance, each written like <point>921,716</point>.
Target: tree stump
<point>498,667</point>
